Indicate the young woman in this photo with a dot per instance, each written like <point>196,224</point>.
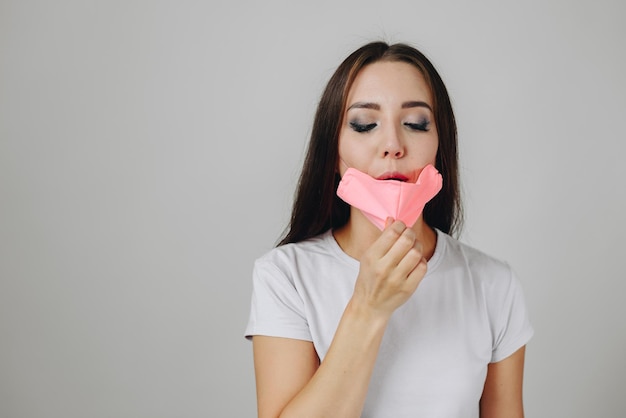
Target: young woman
<point>372,309</point>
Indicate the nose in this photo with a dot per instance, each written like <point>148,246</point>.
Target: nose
<point>393,146</point>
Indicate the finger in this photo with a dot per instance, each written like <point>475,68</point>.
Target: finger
<point>399,250</point>
<point>387,239</point>
<point>406,259</point>
<point>417,274</point>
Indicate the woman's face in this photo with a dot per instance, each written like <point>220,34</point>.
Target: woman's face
<point>388,129</point>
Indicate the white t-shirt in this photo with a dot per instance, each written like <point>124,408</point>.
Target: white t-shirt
<point>468,311</point>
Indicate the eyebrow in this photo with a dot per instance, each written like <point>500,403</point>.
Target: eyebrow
<point>376,106</point>
<point>408,105</point>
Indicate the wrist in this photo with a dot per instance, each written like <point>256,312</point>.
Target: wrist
<point>362,313</point>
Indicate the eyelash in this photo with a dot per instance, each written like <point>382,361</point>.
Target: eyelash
<point>421,126</point>
<point>358,127</point>
<point>361,128</point>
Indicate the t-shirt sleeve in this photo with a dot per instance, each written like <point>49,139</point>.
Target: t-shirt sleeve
<point>276,310</point>
<point>511,328</point>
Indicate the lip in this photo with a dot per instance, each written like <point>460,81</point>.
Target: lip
<point>392,175</point>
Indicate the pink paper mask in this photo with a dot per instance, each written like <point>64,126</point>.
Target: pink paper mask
<point>379,199</point>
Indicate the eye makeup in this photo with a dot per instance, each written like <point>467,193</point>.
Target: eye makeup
<point>422,125</point>
<point>362,127</point>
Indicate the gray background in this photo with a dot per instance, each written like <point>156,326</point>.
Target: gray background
<point>149,152</point>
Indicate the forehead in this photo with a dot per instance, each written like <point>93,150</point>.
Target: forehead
<point>389,83</point>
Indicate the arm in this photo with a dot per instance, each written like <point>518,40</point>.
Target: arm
<point>502,394</point>
<point>282,367</point>
<point>290,380</point>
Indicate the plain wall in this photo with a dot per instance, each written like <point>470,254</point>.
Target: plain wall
<point>149,152</point>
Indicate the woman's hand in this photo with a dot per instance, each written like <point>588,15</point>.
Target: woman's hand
<point>291,382</point>
<point>391,269</point>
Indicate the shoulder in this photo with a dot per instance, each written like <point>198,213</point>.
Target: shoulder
<point>282,286</point>
<point>286,255</point>
<point>482,270</point>
<point>301,260</point>
<point>457,252</point>
<point>495,287</point>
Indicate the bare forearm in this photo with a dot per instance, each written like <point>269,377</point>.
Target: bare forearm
<point>390,271</point>
<point>339,386</point>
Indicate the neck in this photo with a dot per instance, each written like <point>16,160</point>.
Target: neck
<point>356,236</point>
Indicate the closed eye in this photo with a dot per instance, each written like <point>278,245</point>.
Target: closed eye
<point>359,127</point>
<point>421,126</point>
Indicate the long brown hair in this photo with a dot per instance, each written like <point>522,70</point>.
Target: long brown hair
<point>316,206</point>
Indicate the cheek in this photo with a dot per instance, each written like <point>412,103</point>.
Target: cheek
<point>346,154</point>
<point>353,151</point>
<point>426,151</point>
<point>341,165</point>
<point>434,149</point>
